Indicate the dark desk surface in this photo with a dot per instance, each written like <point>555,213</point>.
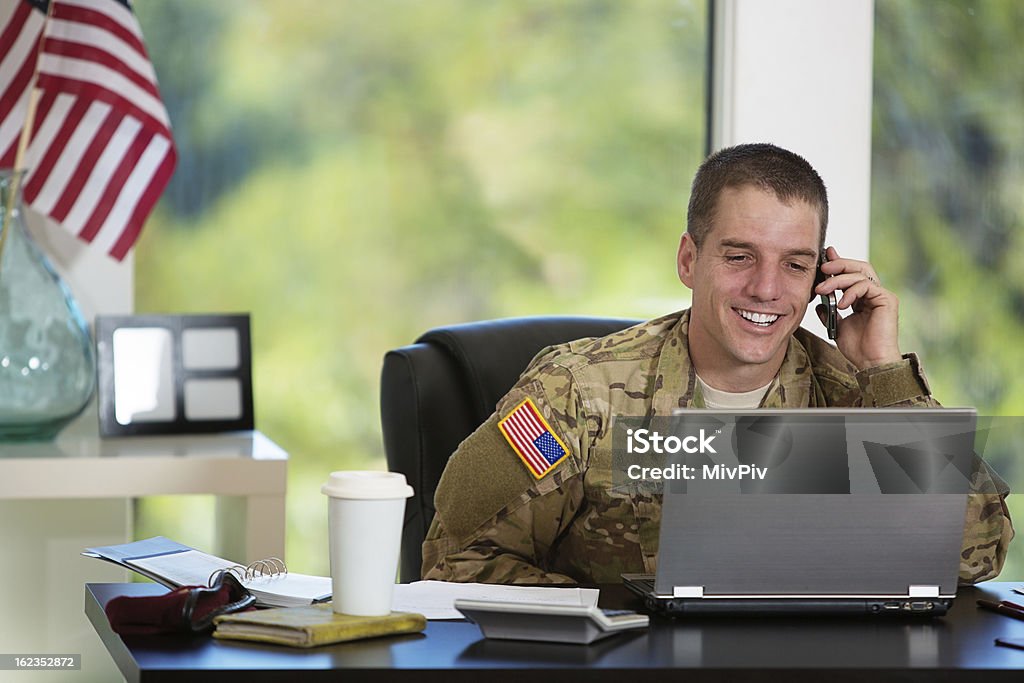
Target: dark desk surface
<point>956,647</point>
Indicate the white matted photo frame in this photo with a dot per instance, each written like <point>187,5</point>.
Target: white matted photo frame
<point>174,374</point>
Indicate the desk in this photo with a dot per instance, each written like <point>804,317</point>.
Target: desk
<point>956,647</point>
<point>58,497</point>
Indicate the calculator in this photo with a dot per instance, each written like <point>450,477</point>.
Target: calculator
<point>549,623</point>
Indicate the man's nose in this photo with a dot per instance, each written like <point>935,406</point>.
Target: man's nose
<point>765,283</point>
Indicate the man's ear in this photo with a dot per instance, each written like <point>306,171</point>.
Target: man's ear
<point>685,259</point>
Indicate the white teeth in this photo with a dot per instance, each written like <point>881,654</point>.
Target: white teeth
<point>764,319</point>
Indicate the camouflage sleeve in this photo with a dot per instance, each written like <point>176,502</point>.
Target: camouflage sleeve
<point>987,528</point>
<point>899,384</point>
<point>496,522</point>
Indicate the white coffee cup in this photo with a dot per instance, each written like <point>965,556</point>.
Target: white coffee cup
<point>365,512</point>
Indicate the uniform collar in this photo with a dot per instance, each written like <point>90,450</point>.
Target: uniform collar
<point>792,388</point>
<point>676,382</point>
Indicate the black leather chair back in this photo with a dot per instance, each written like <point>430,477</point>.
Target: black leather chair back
<point>435,392</point>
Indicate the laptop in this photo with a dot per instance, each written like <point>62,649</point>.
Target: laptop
<point>835,511</point>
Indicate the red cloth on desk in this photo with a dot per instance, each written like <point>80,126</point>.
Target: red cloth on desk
<point>149,615</point>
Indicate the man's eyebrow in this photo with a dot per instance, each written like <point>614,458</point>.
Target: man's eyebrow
<point>738,244</point>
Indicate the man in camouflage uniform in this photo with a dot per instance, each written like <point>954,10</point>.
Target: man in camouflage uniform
<point>755,227</point>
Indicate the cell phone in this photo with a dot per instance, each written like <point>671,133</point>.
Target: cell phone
<point>828,300</point>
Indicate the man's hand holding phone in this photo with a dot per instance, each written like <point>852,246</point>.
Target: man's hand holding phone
<point>869,336</point>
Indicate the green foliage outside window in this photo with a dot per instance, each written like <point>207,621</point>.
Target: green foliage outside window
<point>355,173</point>
<point>947,229</point>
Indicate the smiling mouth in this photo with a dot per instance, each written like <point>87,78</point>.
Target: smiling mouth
<point>759,319</point>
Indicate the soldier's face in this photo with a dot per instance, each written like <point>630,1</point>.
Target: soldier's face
<point>750,281</point>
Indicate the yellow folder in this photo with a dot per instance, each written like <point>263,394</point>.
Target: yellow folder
<point>312,625</point>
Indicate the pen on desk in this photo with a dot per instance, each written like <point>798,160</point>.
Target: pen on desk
<point>1001,608</point>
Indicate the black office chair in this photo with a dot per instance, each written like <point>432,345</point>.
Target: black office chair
<point>435,392</point>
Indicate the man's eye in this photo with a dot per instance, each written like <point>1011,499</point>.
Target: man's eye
<point>737,258</point>
<point>798,267</point>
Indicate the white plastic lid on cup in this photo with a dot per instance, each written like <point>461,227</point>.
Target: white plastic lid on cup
<point>366,485</point>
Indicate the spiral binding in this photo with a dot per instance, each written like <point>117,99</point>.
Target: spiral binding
<point>269,568</point>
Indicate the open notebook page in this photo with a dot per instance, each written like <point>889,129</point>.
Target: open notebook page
<point>194,568</point>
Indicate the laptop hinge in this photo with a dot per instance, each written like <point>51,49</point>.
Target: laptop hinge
<point>923,591</point>
<point>688,591</point>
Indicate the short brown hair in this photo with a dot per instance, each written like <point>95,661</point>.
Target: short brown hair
<point>767,167</point>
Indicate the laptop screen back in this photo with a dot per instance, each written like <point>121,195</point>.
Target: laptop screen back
<point>831,503</point>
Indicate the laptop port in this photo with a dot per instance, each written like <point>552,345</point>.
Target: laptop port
<point>891,605</point>
<point>920,606</point>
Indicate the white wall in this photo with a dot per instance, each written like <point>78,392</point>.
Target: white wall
<point>798,73</point>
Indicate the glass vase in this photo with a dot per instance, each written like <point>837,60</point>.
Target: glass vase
<point>47,362</point>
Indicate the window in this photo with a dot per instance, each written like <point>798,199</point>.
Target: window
<point>354,173</point>
<point>947,215</point>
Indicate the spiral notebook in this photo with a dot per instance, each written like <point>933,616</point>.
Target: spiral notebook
<point>173,564</point>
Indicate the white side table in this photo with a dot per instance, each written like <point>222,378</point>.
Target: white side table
<point>56,498</point>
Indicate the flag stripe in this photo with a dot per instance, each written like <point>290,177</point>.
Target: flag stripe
<point>529,430</point>
<point>521,442</point>
<point>106,57</point>
<point>54,135</point>
<point>116,185</point>
<point>10,131</point>
<point>64,134</point>
<point>18,88</point>
<point>69,190</point>
<point>539,421</point>
<point>116,11</point>
<point>77,74</point>
<point>147,201</point>
<point>14,23</point>
<point>526,433</point>
<point>99,174</point>
<point>116,222</point>
<point>12,17</point>
<point>131,52</point>
<point>43,105</point>
<point>108,20</point>
<point>529,427</point>
<point>18,64</point>
<point>101,150</point>
<point>88,90</point>
<point>525,442</point>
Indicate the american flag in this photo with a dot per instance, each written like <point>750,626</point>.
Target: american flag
<point>101,151</point>
<point>532,439</point>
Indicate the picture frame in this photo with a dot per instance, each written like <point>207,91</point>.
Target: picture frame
<point>174,374</point>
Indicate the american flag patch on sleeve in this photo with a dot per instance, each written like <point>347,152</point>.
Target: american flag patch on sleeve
<point>532,439</point>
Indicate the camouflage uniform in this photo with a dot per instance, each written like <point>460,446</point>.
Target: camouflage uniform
<point>496,523</point>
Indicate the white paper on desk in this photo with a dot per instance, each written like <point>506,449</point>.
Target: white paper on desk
<point>435,599</point>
